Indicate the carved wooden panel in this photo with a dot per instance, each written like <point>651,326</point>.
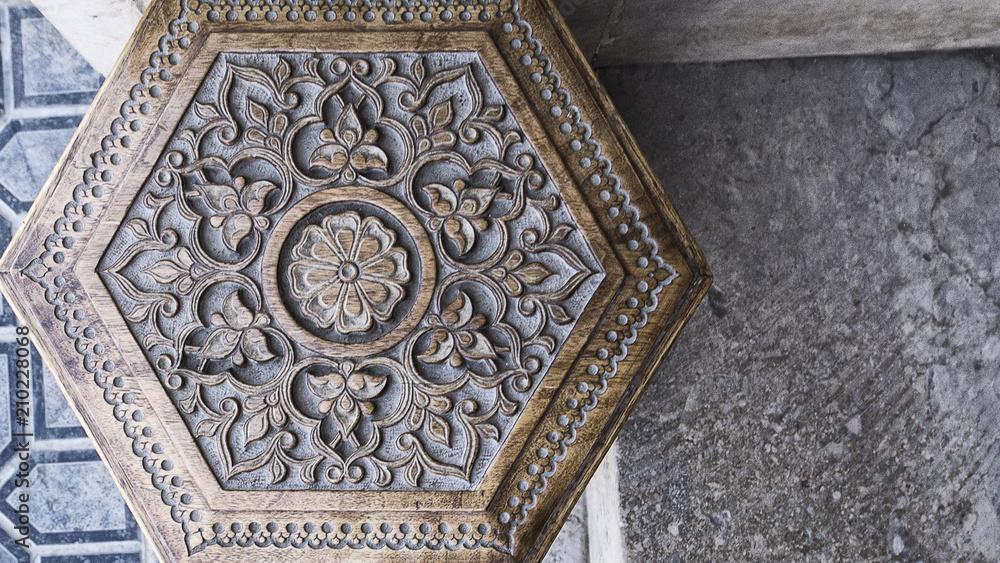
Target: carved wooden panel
<point>353,281</point>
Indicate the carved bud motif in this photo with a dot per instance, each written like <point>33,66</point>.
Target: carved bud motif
<point>346,394</point>
<point>457,335</point>
<point>237,334</point>
<point>348,273</point>
<point>349,148</point>
<point>459,211</point>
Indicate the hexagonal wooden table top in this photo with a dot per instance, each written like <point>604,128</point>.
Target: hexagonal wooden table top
<point>353,281</point>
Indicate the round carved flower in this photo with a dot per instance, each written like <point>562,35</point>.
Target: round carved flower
<point>348,272</point>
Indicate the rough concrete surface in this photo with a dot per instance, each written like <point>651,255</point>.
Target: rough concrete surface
<point>836,396</point>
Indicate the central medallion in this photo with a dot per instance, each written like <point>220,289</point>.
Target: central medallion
<point>344,274</point>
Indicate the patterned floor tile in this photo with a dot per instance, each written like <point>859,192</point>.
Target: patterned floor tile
<point>45,69</point>
<point>76,512</point>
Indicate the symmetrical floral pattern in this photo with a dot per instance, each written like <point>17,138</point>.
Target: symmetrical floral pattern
<point>432,133</point>
<point>348,273</point>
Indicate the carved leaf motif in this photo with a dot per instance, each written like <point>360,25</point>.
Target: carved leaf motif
<point>220,344</point>
<point>235,228</point>
<point>308,471</point>
<point>139,313</point>
<point>207,428</point>
<point>331,157</point>
<point>206,111</point>
<point>444,201</point>
<point>257,114</point>
<point>559,314</point>
<point>234,313</point>
<point>488,431</point>
<point>460,230</point>
<point>278,470</point>
<point>413,473</point>
<point>441,347</point>
<point>139,228</point>
<point>220,198</point>
<point>475,201</point>
<point>416,419</point>
<point>534,273</point>
<point>254,196</point>
<point>479,349</point>
<point>369,157</point>
<point>417,70</point>
<point>281,71</point>
<point>438,429</point>
<point>256,427</point>
<point>560,233</point>
<point>441,115</point>
<point>165,271</point>
<point>458,313</point>
<point>254,346</point>
<point>493,113</point>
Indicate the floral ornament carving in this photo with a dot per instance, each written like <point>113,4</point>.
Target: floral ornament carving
<point>432,133</point>
<point>236,208</point>
<point>459,211</point>
<point>346,393</point>
<point>457,335</point>
<point>237,334</point>
<point>348,273</point>
<point>349,148</point>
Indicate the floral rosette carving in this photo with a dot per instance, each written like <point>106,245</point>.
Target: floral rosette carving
<point>348,273</point>
<point>431,132</point>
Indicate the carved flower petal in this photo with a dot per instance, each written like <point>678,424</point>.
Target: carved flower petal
<point>310,277</point>
<point>460,230</point>
<point>349,126</point>
<point>317,244</point>
<point>329,386</point>
<point>389,266</point>
<point>332,157</point>
<point>440,348</point>
<point>369,157</point>
<point>444,202</point>
<point>353,311</point>
<point>254,346</point>
<point>343,230</point>
<point>236,314</point>
<point>220,344</point>
<point>235,228</point>
<point>323,306</point>
<point>458,312</point>
<point>382,296</point>
<point>374,241</point>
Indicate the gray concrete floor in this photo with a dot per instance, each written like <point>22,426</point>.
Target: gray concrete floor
<point>836,396</point>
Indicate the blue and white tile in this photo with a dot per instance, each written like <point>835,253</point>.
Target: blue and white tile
<point>77,514</point>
